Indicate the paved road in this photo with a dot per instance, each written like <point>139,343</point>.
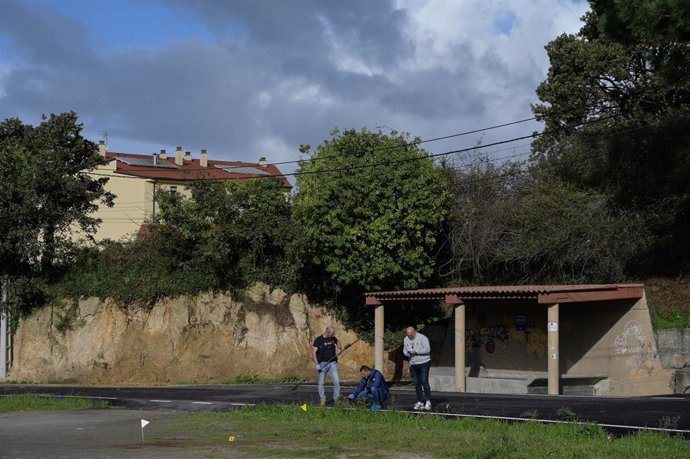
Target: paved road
<point>618,414</point>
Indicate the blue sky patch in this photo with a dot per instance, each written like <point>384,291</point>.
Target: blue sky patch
<point>504,23</point>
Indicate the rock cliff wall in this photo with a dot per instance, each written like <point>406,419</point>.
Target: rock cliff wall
<point>209,338</point>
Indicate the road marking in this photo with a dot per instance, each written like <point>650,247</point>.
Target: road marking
<point>203,403</point>
<point>161,401</point>
<point>241,404</point>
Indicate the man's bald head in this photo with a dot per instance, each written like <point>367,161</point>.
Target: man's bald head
<point>411,332</point>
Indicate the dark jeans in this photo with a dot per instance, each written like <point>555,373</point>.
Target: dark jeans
<point>420,376</point>
<point>376,396</point>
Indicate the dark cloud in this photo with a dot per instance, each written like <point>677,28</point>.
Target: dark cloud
<point>49,39</point>
<point>276,73</point>
<point>300,29</point>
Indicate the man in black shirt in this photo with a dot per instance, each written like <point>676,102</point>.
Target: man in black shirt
<point>325,351</point>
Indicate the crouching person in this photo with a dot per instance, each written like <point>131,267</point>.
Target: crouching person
<point>372,388</point>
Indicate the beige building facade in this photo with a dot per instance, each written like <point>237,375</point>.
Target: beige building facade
<point>135,179</point>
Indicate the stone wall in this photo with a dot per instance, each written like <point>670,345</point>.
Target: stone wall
<point>674,352</point>
<point>674,347</point>
<point>209,338</point>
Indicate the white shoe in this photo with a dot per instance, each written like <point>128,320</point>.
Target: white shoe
<point>418,406</point>
<point>427,405</point>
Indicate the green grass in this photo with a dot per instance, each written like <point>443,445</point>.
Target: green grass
<point>672,319</point>
<point>255,379</point>
<point>286,431</point>
<point>26,402</point>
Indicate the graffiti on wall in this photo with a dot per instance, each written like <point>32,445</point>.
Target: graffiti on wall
<point>631,341</point>
<point>486,335</point>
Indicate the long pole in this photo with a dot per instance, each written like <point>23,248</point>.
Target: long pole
<point>4,329</point>
<point>329,361</point>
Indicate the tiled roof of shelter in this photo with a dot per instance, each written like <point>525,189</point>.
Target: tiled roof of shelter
<point>543,294</point>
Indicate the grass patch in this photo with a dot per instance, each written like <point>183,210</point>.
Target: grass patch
<point>286,431</point>
<point>255,379</point>
<point>672,319</point>
<point>27,402</point>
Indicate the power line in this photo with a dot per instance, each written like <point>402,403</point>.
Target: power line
<point>414,143</point>
<point>437,155</point>
<point>388,147</point>
<point>581,159</point>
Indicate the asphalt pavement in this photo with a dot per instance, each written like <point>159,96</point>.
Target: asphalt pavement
<point>670,413</point>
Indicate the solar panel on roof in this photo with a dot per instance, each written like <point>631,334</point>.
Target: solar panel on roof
<point>243,170</point>
<point>148,162</point>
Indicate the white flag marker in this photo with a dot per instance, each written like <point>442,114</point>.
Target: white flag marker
<point>144,423</point>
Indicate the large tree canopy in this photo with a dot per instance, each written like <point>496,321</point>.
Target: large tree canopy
<point>45,190</point>
<point>616,104</point>
<point>368,209</point>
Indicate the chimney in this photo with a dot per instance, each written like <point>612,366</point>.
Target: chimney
<point>263,162</point>
<point>102,148</point>
<point>203,158</point>
<point>188,156</point>
<point>155,159</point>
<point>163,154</point>
<point>178,156</point>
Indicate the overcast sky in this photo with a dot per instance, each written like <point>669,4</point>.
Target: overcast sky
<point>251,78</point>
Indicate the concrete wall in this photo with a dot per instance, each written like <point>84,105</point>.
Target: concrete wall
<point>674,352</point>
<point>674,347</point>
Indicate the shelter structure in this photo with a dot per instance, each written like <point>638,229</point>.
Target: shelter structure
<point>575,331</point>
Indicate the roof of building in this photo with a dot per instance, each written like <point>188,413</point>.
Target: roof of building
<point>165,169</point>
<point>543,294</point>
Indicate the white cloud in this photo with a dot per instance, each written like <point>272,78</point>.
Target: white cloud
<point>269,80</point>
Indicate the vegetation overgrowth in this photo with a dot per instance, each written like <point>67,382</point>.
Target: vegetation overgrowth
<point>603,198</point>
<point>28,402</point>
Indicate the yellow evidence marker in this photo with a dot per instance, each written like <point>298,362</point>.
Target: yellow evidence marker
<point>304,407</point>
<point>231,438</point>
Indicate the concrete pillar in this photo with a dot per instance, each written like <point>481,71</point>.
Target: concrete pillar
<point>553,353</point>
<point>378,337</point>
<point>460,347</point>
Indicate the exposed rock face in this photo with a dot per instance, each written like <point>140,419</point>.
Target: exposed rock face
<point>200,339</point>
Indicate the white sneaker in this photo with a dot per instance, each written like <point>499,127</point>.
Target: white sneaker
<point>427,405</point>
<point>418,406</point>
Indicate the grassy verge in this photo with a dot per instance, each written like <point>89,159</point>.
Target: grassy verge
<point>25,402</point>
<point>286,431</point>
<point>255,379</point>
<point>672,319</point>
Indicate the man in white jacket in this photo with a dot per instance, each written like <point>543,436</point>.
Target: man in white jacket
<point>416,347</point>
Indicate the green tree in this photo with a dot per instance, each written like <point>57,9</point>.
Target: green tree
<point>484,195</point>
<point>511,225</point>
<point>237,231</point>
<point>616,105</point>
<point>557,233</point>
<point>368,212</point>
<point>45,191</point>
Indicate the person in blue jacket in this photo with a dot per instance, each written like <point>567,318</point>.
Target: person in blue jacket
<point>372,388</point>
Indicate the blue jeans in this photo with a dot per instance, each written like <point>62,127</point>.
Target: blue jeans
<point>375,395</point>
<point>420,376</point>
<point>332,369</point>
